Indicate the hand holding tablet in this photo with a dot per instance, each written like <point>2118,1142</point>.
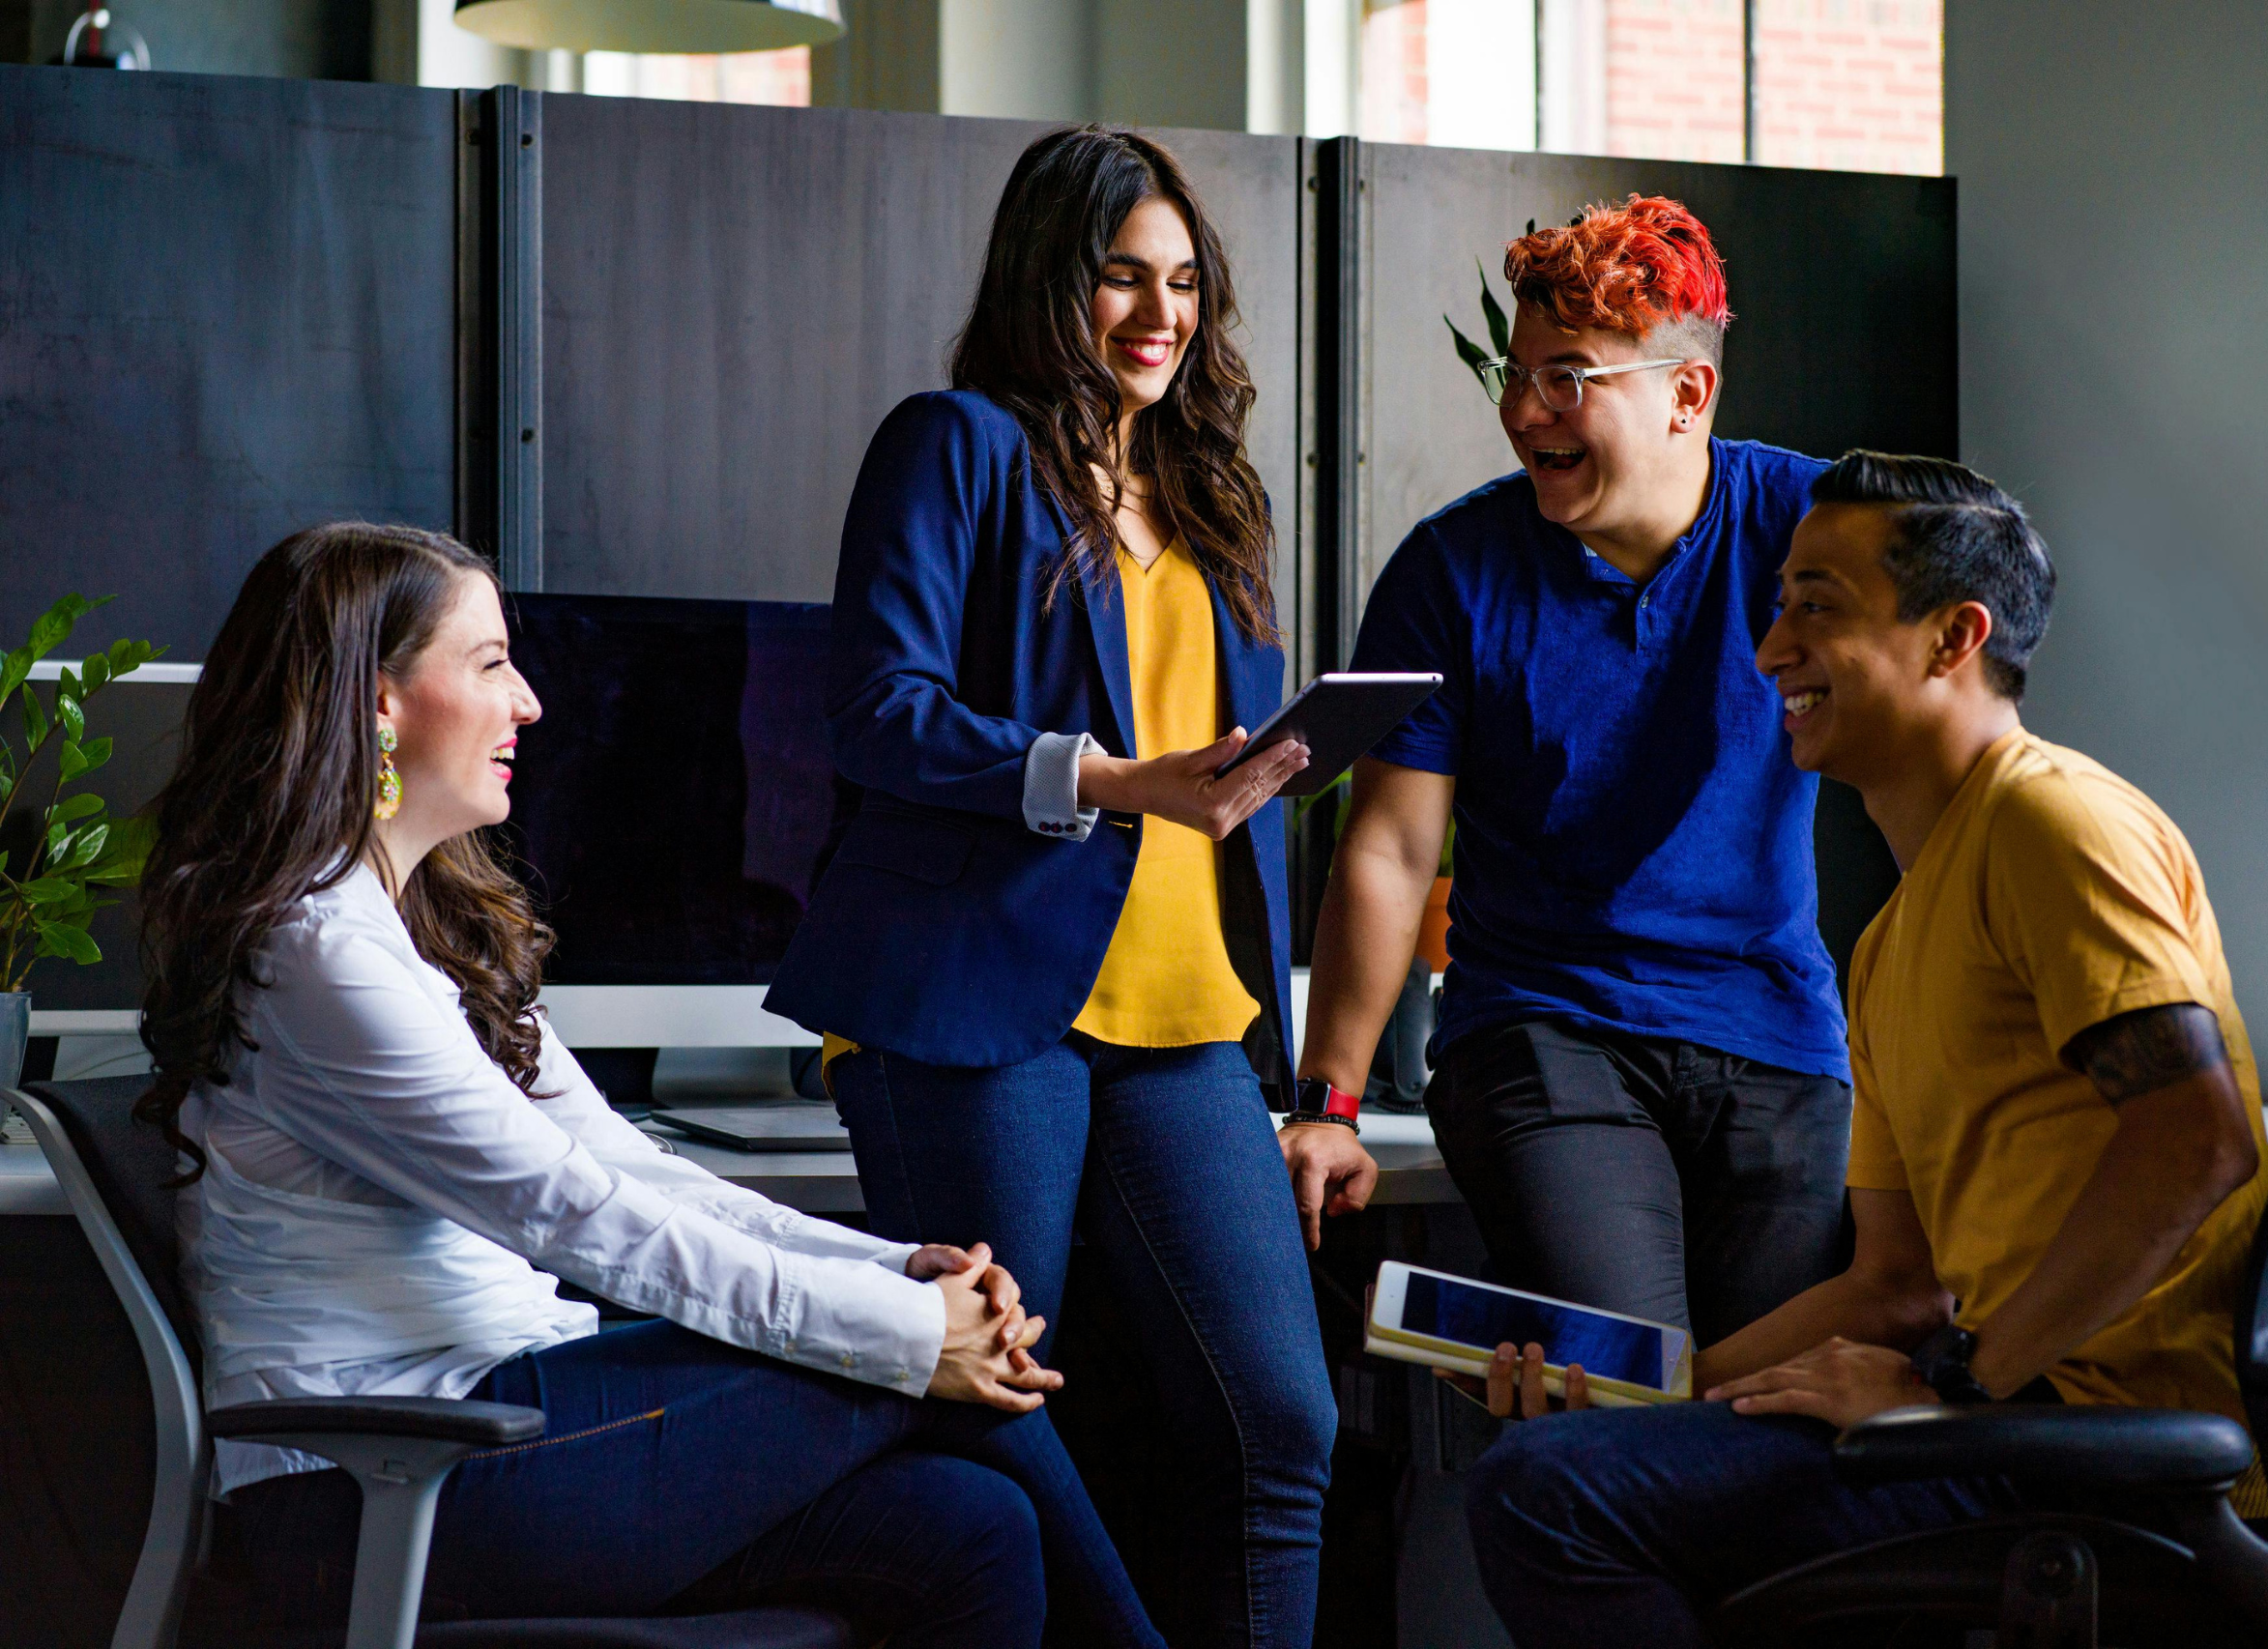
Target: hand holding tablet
<point>1338,717</point>
<point>1456,1323</point>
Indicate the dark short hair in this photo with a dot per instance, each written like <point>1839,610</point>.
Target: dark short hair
<point>1959,539</point>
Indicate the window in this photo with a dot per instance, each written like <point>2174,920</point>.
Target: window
<point>1846,84</point>
<point>781,78</point>
<point>1850,85</point>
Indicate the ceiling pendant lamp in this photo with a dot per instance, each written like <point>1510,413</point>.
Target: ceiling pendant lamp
<point>698,27</point>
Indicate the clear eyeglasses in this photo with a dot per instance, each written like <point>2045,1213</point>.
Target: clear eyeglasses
<point>1558,387</point>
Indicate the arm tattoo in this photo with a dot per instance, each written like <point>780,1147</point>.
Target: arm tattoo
<point>2133,1054</point>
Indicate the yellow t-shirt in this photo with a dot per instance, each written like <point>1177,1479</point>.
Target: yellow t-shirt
<point>1166,980</point>
<point>2052,896</point>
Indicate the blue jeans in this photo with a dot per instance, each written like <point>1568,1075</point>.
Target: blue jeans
<point>1622,1526</point>
<point>1164,1161</point>
<point>681,1475</point>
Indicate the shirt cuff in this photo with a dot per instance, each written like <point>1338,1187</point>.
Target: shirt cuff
<point>897,1257</point>
<point>1051,785</point>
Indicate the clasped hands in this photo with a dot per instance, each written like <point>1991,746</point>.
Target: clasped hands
<point>987,1352</point>
<point>1839,1381</point>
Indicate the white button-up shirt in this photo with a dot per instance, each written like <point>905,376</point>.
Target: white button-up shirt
<point>384,1213</point>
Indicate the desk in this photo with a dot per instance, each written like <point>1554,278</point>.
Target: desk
<point>827,1182</point>
<point>703,1017</point>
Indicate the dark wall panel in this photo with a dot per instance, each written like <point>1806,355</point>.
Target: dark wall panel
<point>734,297</point>
<point>1842,294</point>
<point>227,311</point>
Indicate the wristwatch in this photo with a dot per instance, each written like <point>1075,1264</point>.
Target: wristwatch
<point>1315,1100</point>
<point>1942,1361</point>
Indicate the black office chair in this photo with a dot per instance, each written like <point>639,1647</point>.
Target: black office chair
<point>399,1449</point>
<point>2147,1550</point>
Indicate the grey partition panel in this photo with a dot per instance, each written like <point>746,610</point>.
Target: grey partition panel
<point>1842,285</point>
<point>227,311</point>
<point>734,298</point>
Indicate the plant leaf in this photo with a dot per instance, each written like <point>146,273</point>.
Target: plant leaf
<point>121,861</point>
<point>130,837</point>
<point>52,627</point>
<point>47,889</point>
<point>73,807</point>
<point>13,668</point>
<point>35,719</point>
<point>1468,351</point>
<point>73,759</point>
<point>84,851</point>
<point>1499,329</point>
<point>97,670</point>
<point>71,941</point>
<point>75,719</point>
<point>97,751</point>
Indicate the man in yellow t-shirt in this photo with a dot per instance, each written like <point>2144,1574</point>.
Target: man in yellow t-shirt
<point>2056,1143</point>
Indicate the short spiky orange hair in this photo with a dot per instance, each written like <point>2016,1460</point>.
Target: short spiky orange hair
<point>1626,269</point>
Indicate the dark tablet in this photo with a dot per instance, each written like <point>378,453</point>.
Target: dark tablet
<point>791,1126</point>
<point>1338,717</point>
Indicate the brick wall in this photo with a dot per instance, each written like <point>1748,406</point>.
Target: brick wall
<point>1851,85</point>
<point>1393,76</point>
<point>1674,80</point>
<point>1845,85</point>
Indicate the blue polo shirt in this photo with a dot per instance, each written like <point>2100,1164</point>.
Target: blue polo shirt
<point>1634,844</point>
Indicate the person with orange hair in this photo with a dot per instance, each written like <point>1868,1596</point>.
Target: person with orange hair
<point>1641,1084</point>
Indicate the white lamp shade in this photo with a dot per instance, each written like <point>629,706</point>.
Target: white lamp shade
<point>700,26</point>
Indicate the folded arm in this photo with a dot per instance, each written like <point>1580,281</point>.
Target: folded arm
<point>385,1078</point>
<point>2183,1145</point>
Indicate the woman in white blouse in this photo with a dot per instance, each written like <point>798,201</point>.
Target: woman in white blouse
<point>389,1161</point>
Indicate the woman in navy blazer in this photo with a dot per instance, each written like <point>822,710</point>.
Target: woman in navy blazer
<point>1003,541</point>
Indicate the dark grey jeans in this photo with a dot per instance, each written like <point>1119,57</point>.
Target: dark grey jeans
<point>1645,1175</point>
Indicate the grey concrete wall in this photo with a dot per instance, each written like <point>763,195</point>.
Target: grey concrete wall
<point>1171,63</point>
<point>2113,171</point>
<point>1017,59</point>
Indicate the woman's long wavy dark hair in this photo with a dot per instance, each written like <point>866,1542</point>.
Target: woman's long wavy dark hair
<point>1030,344</point>
<point>272,798</point>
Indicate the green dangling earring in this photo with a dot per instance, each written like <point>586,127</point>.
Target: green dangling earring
<point>388,776</point>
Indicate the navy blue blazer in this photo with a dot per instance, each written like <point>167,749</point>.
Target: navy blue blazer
<point>944,928</point>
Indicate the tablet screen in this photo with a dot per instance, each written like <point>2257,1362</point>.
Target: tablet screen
<point>1485,1318</point>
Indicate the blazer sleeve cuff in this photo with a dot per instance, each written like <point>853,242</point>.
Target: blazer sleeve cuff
<point>1051,786</point>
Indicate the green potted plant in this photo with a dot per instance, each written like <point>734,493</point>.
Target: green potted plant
<point>54,874</point>
<point>1491,314</point>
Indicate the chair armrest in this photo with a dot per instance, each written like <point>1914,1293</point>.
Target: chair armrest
<point>2096,1444</point>
<point>450,1420</point>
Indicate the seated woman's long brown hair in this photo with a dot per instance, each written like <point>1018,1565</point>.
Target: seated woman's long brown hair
<point>274,797</point>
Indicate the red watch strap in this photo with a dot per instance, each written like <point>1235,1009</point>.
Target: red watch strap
<point>1342,1104</point>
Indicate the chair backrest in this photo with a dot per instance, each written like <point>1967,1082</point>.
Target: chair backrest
<point>2252,1335</point>
<point>112,1171</point>
<point>130,1162</point>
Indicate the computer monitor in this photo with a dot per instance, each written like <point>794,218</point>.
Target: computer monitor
<point>672,805</point>
<point>141,716</point>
